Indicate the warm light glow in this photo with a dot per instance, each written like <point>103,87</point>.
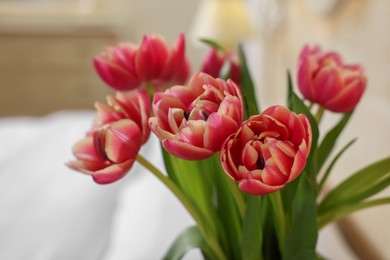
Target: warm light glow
<point>225,21</point>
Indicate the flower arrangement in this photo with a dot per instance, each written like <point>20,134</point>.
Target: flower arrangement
<point>250,178</point>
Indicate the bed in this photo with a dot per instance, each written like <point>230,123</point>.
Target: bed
<point>52,212</point>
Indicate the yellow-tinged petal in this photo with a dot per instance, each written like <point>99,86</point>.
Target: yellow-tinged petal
<point>185,150</point>
<point>113,172</point>
<point>123,140</point>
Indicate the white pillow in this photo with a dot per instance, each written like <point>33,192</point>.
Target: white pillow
<point>47,210</point>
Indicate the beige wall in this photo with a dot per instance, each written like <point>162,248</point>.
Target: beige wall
<point>46,53</point>
<point>359,31</point>
<point>168,18</point>
<point>47,71</point>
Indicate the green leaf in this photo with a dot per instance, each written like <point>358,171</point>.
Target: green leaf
<point>247,86</point>
<point>345,210</point>
<point>195,183</point>
<point>299,107</point>
<point>302,237</point>
<point>169,166</point>
<point>330,139</point>
<point>224,73</point>
<point>368,181</point>
<point>331,165</point>
<point>296,104</point>
<point>252,240</point>
<point>378,186</point>
<point>212,44</point>
<point>228,216</point>
<point>290,91</point>
<point>189,239</point>
<point>227,210</point>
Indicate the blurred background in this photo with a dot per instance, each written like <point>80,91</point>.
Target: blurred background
<point>48,87</point>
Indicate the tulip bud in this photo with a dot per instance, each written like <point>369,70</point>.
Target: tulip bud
<point>323,78</point>
<point>214,61</point>
<point>126,66</point>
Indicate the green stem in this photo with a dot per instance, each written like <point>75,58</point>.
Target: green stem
<point>310,105</point>
<point>319,114</point>
<point>238,197</point>
<point>279,214</point>
<point>150,89</point>
<point>194,212</point>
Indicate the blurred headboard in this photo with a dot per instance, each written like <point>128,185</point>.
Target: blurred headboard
<point>48,68</point>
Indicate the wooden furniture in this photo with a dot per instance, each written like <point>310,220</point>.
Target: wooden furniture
<point>46,67</point>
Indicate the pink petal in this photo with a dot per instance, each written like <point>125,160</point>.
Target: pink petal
<point>218,128</point>
<point>299,161</point>
<point>249,156</point>
<point>193,132</point>
<point>122,141</point>
<point>106,114</point>
<point>186,151</point>
<point>84,150</point>
<point>306,124</point>
<point>212,62</point>
<point>124,101</point>
<point>232,107</point>
<point>86,166</point>
<point>144,61</point>
<point>123,55</point>
<point>282,160</point>
<point>160,52</point>
<point>230,157</point>
<point>199,80</point>
<point>256,187</point>
<point>113,172</point>
<point>347,98</point>
<point>306,70</point>
<point>328,83</point>
<point>184,73</point>
<point>185,94</point>
<point>115,76</point>
<point>175,61</point>
<point>176,119</point>
<point>272,175</point>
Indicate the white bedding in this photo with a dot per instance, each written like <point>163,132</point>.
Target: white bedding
<point>51,212</point>
<point>48,211</point>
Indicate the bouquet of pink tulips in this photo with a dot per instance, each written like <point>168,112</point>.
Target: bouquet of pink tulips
<point>250,178</point>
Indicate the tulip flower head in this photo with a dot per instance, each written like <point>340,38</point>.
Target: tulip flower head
<point>128,66</point>
<point>268,150</point>
<point>214,61</point>
<point>323,78</point>
<point>192,122</point>
<point>134,105</point>
<point>111,146</point>
<point>109,153</point>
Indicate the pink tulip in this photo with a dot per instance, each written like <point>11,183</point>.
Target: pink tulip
<point>268,150</point>
<point>134,105</point>
<point>109,153</point>
<point>323,78</point>
<point>214,61</point>
<point>127,66</point>
<point>192,122</point>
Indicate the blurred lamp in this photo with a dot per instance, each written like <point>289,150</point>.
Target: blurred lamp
<point>225,21</point>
